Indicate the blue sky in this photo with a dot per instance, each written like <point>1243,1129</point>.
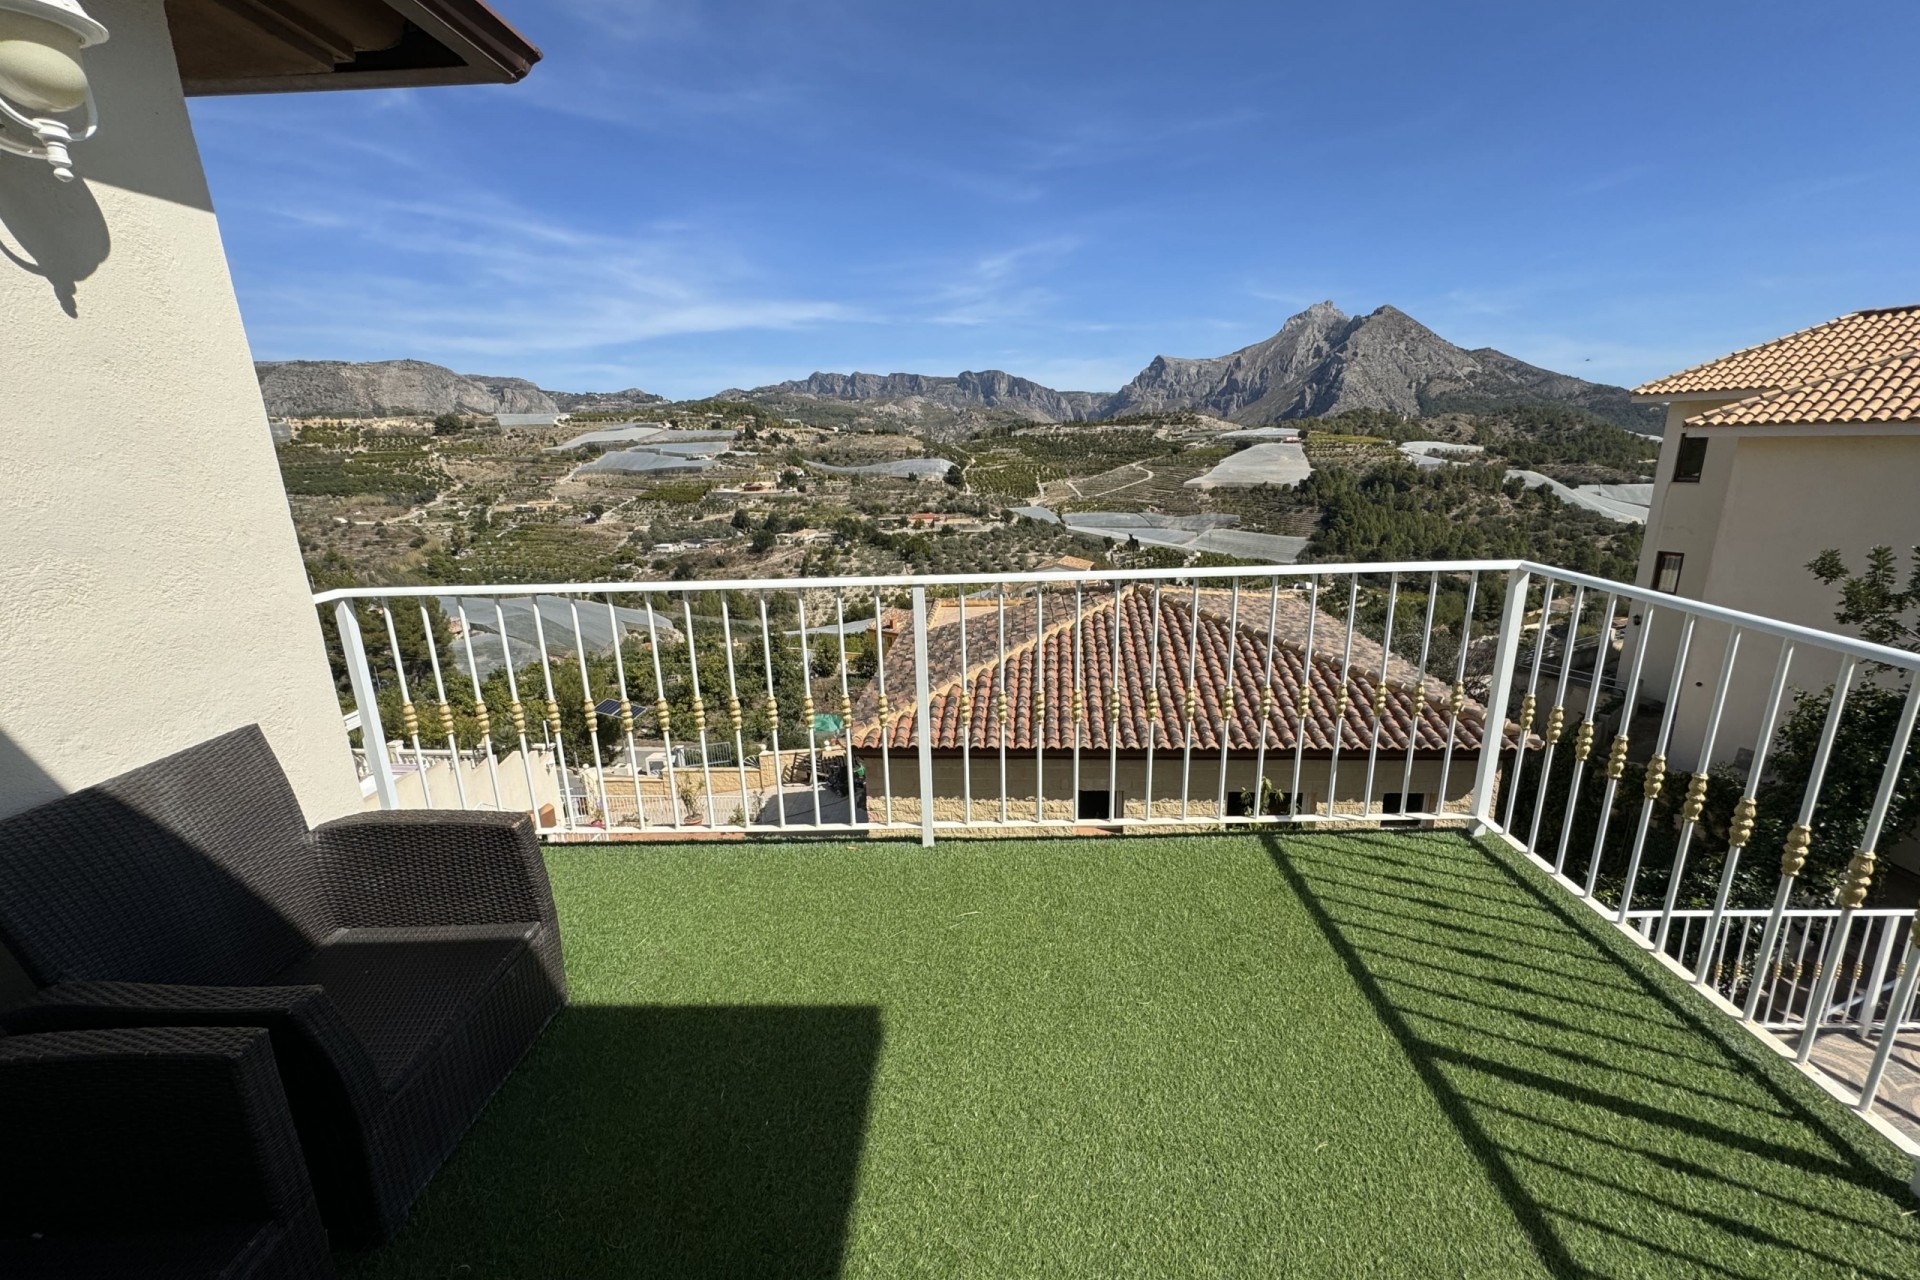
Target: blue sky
<point>685,197</point>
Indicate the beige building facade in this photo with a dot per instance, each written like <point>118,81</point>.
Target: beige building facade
<point>1756,478</point>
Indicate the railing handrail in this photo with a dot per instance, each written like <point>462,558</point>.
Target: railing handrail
<point>1851,646</point>
<point>1761,913</point>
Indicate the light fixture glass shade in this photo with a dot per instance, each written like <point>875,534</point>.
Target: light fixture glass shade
<point>41,78</point>
<point>40,64</point>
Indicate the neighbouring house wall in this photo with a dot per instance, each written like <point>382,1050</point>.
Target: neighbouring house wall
<point>1202,789</point>
<point>1777,501</point>
<point>151,589</point>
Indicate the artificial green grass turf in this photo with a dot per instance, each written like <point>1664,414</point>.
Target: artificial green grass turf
<point>1368,1054</point>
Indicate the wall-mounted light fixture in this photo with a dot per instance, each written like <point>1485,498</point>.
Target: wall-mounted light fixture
<point>41,79</point>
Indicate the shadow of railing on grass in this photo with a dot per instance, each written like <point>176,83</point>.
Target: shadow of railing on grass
<point>657,1141</point>
<point>1553,1055</point>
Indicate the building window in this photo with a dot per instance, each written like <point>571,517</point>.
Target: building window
<point>1095,806</point>
<point>1690,460</point>
<point>1666,572</point>
<point>1410,802</point>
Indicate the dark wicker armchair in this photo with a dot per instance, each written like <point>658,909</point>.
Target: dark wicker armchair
<point>161,1152</point>
<point>404,962</point>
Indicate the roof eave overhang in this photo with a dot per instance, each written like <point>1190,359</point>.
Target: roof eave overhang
<point>479,47</point>
<point>1691,397</point>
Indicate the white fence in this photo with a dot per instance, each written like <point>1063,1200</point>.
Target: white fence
<point>1471,693</point>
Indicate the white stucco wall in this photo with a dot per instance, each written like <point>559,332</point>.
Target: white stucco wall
<point>151,590</point>
<point>1769,502</point>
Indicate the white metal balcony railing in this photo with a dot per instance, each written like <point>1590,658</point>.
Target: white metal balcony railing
<point>1251,697</point>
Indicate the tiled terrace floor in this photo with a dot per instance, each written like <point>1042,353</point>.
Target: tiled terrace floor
<point>1362,1055</point>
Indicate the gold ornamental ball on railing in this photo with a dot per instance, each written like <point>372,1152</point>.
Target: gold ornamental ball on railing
<point>1853,890</point>
<point>1794,856</point>
<point>446,718</point>
<point>1419,700</point>
<point>553,716</point>
<point>885,708</point>
<point>626,717</point>
<point>966,707</point>
<point>1266,703</point>
<point>1457,700</point>
<point>806,706</point>
<point>1079,707</point>
<point>846,709</point>
<point>1039,707</point>
<point>1340,705</point>
<point>1190,703</point>
<point>1153,704</point>
<point>591,712</point>
<point>482,722</point>
<point>1696,800</point>
<point>664,714</point>
<point>1380,701</point>
<point>1656,777</point>
<point>1617,757</point>
<point>1527,706</point>
<point>773,709</point>
<point>518,714</point>
<point>1556,721</point>
<point>1583,740</point>
<point>409,719</point>
<point>699,716</point>
<point>1740,826</point>
<point>1226,702</point>
<point>734,718</point>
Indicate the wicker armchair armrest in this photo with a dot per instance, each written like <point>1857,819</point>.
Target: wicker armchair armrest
<point>159,1128</point>
<point>415,868</point>
<point>314,1045</point>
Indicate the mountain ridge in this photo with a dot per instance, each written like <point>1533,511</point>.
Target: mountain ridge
<point>1321,362</point>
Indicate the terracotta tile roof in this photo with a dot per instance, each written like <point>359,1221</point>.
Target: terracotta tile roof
<point>1847,342</point>
<point>1086,658</point>
<point>1886,391</point>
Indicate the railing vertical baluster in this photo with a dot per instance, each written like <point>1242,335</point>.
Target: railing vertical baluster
<point>1003,714</point>
<point>1696,797</point>
<point>1656,774</point>
<point>1114,808</point>
<point>1189,701</point>
<point>663,713</point>
<point>1381,701</point>
<point>1793,854</point>
<point>1557,716</point>
<point>807,706</point>
<point>1079,709</point>
<point>737,720</point>
<point>484,722</point>
<point>1853,892</point>
<point>409,718</point>
<point>1528,705</point>
<point>1038,665</point>
<point>773,716</point>
<point>886,708</point>
<point>1417,706</point>
<point>517,711</point>
<point>1303,708</point>
<point>443,708</point>
<point>1583,735</point>
<point>1153,696</point>
<point>1343,696</point>
<point>923,713</point>
<point>626,713</point>
<point>1493,724</point>
<point>966,717</point>
<point>1740,825</point>
<point>1740,958</point>
<point>1617,753</point>
<point>552,719</point>
<point>373,739</point>
<point>592,715</point>
<point>699,708</point>
<point>1457,696</point>
<point>1227,691</point>
<point>846,705</point>
<point>1265,708</point>
<point>1876,979</point>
